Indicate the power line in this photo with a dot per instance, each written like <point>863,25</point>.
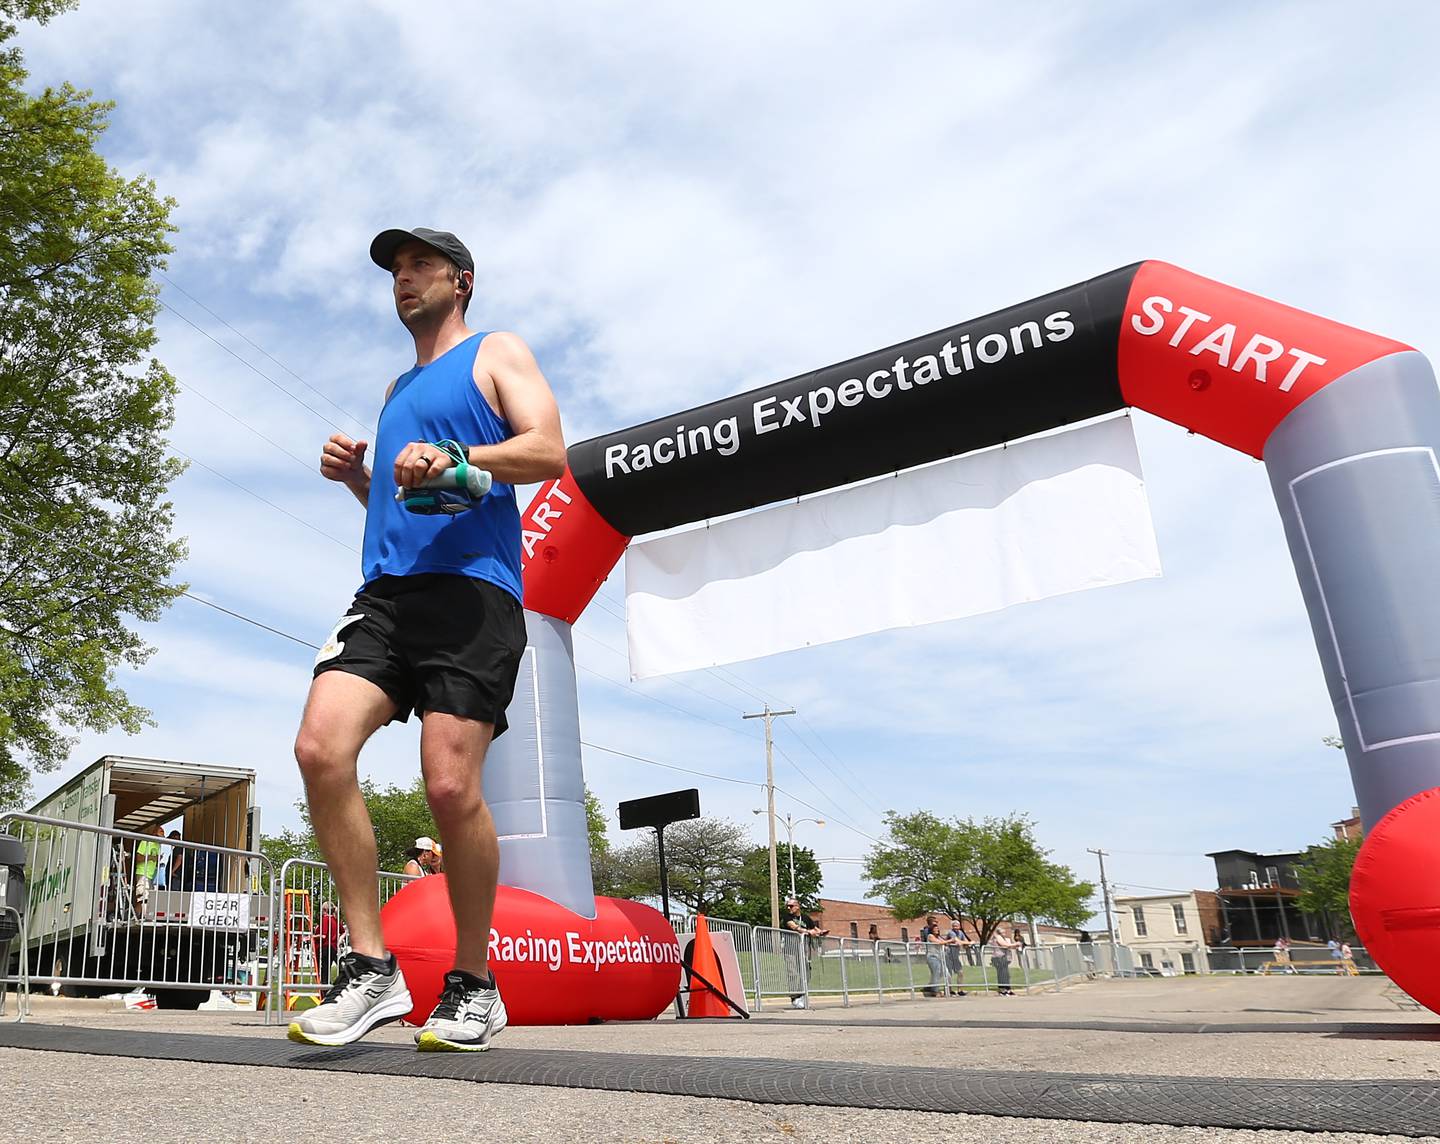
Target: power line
<point>817,810</point>
<point>843,815</point>
<point>841,762</point>
<point>743,687</point>
<point>670,681</point>
<point>264,500</point>
<point>864,802</point>
<point>182,592</point>
<point>722,675</point>
<point>663,702</point>
<point>176,286</point>
<point>248,620</point>
<point>306,465</point>
<point>669,766</point>
<point>251,366</point>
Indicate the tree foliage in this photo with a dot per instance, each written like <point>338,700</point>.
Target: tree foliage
<point>399,815</point>
<point>1324,871</point>
<point>595,824</point>
<point>751,903</point>
<point>985,872</point>
<point>704,858</point>
<point>85,530</point>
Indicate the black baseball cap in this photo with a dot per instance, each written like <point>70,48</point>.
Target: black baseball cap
<point>382,249</point>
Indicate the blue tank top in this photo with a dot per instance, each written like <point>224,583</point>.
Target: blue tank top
<point>429,403</point>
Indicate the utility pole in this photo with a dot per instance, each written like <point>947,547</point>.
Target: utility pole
<point>769,715</point>
<point>1105,891</point>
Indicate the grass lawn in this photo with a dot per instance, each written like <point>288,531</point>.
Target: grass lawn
<point>861,975</point>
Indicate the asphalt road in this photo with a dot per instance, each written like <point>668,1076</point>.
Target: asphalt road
<point>69,1096</point>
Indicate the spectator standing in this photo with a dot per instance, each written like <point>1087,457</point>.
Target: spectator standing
<point>956,942</point>
<point>1000,960</point>
<point>797,954</point>
<point>934,940</point>
<point>874,935</point>
<point>327,939</point>
<point>177,873</point>
<point>167,855</point>
<point>424,858</point>
<point>1282,953</point>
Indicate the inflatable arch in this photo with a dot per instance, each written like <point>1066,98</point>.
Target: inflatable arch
<point>1347,423</point>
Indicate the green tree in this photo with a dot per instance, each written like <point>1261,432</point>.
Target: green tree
<point>704,858</point>
<point>399,815</point>
<point>1324,871</point>
<point>751,902</point>
<point>985,872</point>
<point>610,866</point>
<point>280,848</point>
<point>595,825</point>
<point>628,871</point>
<point>85,529</point>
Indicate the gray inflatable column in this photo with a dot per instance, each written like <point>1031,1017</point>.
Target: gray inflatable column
<point>1356,476</point>
<point>533,780</point>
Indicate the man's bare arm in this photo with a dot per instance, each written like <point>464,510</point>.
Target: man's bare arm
<point>537,450</point>
<point>343,460</point>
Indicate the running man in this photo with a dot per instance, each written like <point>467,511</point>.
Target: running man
<point>436,628</point>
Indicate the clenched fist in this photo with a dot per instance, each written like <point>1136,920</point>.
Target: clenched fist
<point>418,462</point>
<point>344,460</point>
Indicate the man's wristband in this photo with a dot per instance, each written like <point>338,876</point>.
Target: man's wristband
<point>457,452</point>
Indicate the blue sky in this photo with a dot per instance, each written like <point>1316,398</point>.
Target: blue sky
<point>676,203</point>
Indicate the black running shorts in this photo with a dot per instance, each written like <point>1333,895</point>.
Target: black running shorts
<point>432,642</point>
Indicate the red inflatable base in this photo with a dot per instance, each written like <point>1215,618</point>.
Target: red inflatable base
<point>1395,896</point>
<point>553,967</point>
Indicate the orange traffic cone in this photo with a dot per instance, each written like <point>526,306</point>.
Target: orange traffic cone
<point>705,1001</point>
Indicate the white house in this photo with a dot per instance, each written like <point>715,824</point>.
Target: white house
<point>1168,932</point>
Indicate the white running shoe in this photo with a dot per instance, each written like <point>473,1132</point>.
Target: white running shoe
<point>361,998</point>
<point>468,1015</point>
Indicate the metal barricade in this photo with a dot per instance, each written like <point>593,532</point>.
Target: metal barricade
<point>1224,959</point>
<point>313,934</point>
<point>825,968</point>
<point>1065,962</point>
<point>861,959</point>
<point>894,969</point>
<point>781,967</point>
<point>109,908</point>
<point>22,974</point>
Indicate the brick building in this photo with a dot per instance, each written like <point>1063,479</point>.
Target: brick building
<point>854,919</point>
<point>1348,828</point>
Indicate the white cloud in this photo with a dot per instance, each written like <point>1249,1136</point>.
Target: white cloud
<point>673,205</point>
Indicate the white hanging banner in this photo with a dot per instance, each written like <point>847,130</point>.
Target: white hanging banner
<point>967,536</point>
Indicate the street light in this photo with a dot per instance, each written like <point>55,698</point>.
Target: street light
<point>790,825</point>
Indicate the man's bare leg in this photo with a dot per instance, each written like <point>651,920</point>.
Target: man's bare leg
<point>343,711</point>
<point>452,756</point>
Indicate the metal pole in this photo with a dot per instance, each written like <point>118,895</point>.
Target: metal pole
<point>769,715</point>
<point>1105,892</point>
<point>790,844</point>
<point>664,877</point>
